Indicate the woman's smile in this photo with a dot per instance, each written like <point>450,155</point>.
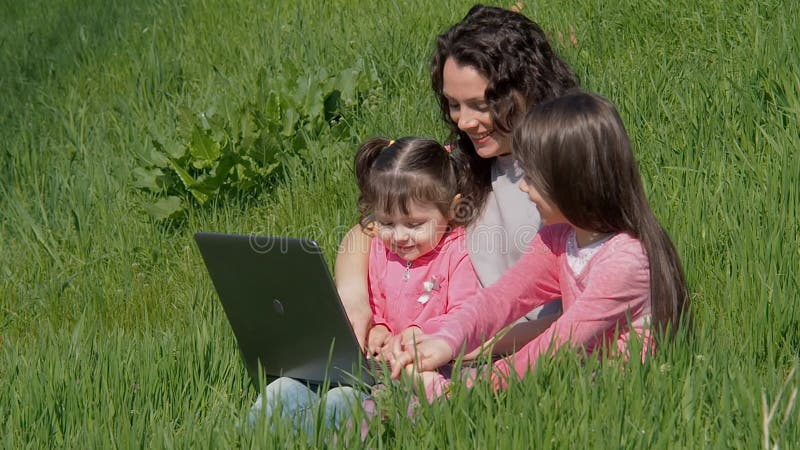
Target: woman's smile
<point>465,87</point>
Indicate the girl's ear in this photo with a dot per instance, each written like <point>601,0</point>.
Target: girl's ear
<point>454,206</point>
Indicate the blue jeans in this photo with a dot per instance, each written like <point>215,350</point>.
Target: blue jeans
<point>299,403</point>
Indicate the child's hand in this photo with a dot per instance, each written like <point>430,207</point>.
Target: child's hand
<point>377,338</point>
<point>408,335</point>
<point>427,353</point>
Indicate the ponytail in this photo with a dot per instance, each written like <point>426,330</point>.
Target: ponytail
<point>412,169</point>
<point>365,157</point>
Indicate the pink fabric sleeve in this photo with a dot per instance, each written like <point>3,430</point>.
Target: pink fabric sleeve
<point>531,282</point>
<point>617,290</point>
<point>377,266</point>
<point>462,285</point>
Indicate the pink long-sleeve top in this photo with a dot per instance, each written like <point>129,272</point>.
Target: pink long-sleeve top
<point>603,304</point>
<point>406,294</point>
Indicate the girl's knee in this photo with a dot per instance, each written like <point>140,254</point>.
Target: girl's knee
<point>340,402</point>
<point>288,395</point>
<point>342,398</point>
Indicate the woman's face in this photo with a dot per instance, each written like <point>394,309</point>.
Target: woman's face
<point>464,89</point>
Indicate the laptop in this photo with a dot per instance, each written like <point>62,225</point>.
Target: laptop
<point>283,307</point>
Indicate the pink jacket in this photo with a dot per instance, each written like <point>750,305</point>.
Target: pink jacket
<point>431,286</point>
<point>602,304</point>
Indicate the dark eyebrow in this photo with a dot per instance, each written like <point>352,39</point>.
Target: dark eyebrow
<point>472,100</point>
<point>410,219</point>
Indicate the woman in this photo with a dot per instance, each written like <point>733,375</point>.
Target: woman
<point>486,71</point>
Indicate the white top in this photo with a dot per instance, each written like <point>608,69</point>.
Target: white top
<point>508,223</point>
<point>577,257</point>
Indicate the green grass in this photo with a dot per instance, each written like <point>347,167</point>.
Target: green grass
<point>112,335</point>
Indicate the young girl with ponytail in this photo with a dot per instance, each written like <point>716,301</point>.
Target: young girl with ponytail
<point>419,268</point>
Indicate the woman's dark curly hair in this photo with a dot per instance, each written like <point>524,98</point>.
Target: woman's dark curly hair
<point>513,54</point>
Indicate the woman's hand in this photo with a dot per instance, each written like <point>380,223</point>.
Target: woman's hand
<point>407,336</point>
<point>423,353</point>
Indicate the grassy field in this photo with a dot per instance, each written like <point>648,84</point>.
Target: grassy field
<point>111,334</point>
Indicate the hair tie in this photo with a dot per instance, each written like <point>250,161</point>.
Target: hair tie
<point>448,148</point>
<point>390,143</point>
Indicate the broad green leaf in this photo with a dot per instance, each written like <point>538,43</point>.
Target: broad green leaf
<point>211,111</point>
<point>206,185</point>
<point>263,82</point>
<point>314,93</point>
<point>187,179</point>
<point>200,196</point>
<point>290,119</point>
<point>166,208</point>
<point>251,169</point>
<point>207,116</point>
<point>158,158</point>
<point>270,168</point>
<point>272,108</point>
<point>203,149</point>
<point>348,86</point>
<point>185,122</point>
<point>211,184</point>
<point>316,107</point>
<point>148,178</point>
<point>265,149</point>
<point>300,93</point>
<point>175,150</point>
<point>220,136</point>
<point>217,126</point>
<point>248,132</point>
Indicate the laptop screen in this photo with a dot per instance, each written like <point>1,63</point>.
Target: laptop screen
<point>283,307</point>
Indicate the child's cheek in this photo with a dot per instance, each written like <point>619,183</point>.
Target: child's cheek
<point>428,239</point>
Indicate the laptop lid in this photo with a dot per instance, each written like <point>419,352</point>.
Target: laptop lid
<point>283,307</point>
